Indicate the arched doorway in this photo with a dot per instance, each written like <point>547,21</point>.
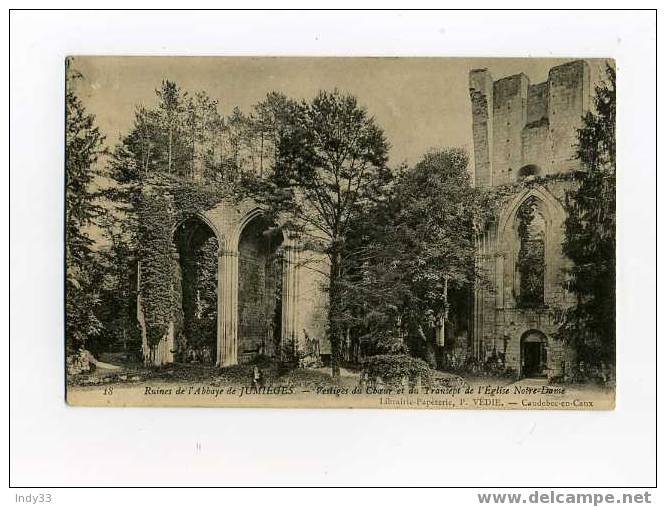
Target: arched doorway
<point>197,254</point>
<point>533,354</point>
<point>260,287</point>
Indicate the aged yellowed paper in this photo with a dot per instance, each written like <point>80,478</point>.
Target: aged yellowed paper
<point>399,233</point>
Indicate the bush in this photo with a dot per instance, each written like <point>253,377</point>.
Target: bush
<point>393,368</point>
<point>423,348</point>
<point>79,362</point>
<point>382,341</point>
<point>391,343</point>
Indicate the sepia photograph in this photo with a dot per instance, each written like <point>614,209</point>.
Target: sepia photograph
<point>258,253</point>
<point>328,232</point>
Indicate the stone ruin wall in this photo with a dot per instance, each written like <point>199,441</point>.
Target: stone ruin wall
<point>516,123</point>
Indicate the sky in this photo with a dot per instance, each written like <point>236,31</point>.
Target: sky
<point>421,103</point>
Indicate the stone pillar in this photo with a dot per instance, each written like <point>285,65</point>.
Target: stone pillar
<point>440,331</point>
<point>227,308</point>
<point>477,319</point>
<point>290,295</point>
<point>163,352</point>
<point>499,279</point>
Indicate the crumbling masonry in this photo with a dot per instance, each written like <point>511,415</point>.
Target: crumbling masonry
<point>525,133</point>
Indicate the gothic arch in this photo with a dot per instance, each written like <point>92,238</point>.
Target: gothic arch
<point>226,223</point>
<point>240,226</point>
<point>508,241</point>
<point>550,207</point>
<point>260,287</point>
<point>205,220</point>
<point>197,246</point>
<point>235,221</point>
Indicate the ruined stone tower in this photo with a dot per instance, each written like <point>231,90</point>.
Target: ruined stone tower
<point>524,140</point>
<point>523,129</point>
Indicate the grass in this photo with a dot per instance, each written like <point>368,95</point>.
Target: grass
<point>272,372</point>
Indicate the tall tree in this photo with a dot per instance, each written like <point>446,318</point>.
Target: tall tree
<point>118,293</point>
<point>239,148</point>
<point>424,251</point>
<point>83,147</point>
<point>171,110</point>
<point>203,129</point>
<point>267,119</point>
<point>330,162</point>
<point>590,233</point>
<point>179,137</point>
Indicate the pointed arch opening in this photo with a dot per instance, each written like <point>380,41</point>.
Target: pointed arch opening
<point>260,283</point>
<point>530,225</point>
<point>196,322</point>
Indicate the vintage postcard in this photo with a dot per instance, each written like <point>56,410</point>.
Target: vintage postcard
<point>400,233</point>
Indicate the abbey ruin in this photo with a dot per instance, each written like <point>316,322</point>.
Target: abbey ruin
<point>525,132</point>
<point>524,139</point>
<point>265,297</point>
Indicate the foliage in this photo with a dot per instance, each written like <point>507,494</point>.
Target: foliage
<point>185,135</point>
<point>380,339</point>
<point>589,325</point>
<point>390,343</point>
<point>530,256</point>
<point>201,305</point>
<point>393,368</point>
<point>118,294</point>
<point>78,362</point>
<point>158,266</point>
<point>180,158</point>
<point>330,163</point>
<point>418,250</point>
<point>166,202</point>
<point>180,136</point>
<point>83,147</point>
<point>433,231</point>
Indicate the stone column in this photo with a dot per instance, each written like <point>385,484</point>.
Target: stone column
<point>476,312</point>
<point>499,279</point>
<point>163,352</point>
<point>227,308</point>
<point>290,294</point>
<point>440,331</point>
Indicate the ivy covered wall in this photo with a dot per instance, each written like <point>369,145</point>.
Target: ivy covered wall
<point>520,254</point>
<point>171,260</point>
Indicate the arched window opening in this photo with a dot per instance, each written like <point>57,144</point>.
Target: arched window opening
<point>260,268</point>
<point>197,248</point>
<point>530,265</point>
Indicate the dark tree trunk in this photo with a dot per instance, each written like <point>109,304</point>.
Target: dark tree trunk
<point>334,309</point>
